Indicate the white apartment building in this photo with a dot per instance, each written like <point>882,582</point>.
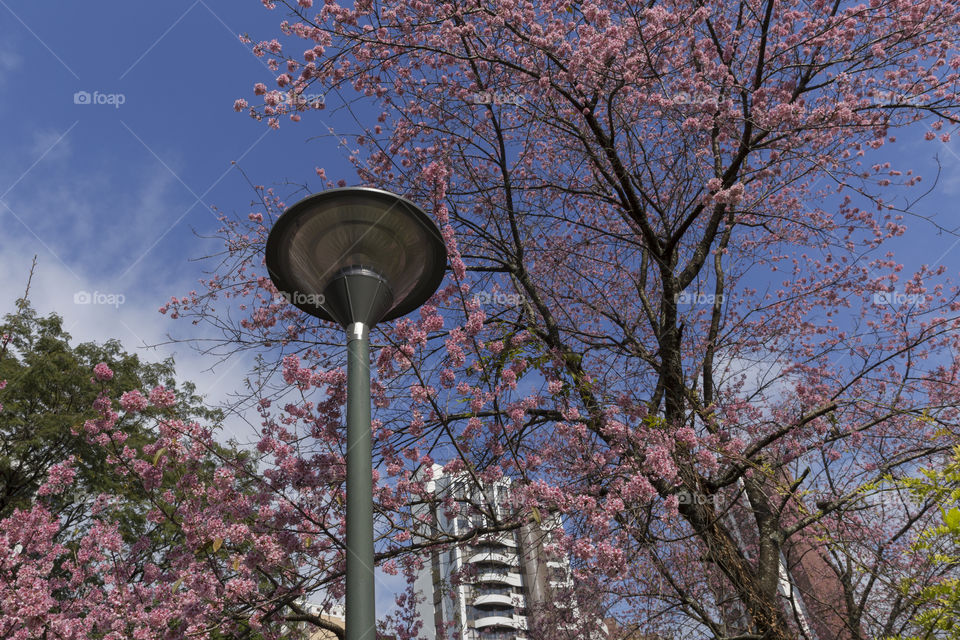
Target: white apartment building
<point>508,573</point>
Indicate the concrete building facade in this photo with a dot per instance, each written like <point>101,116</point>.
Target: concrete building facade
<point>506,576</point>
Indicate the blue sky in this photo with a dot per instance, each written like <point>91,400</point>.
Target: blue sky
<point>118,134</point>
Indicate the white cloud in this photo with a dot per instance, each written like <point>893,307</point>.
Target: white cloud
<point>10,61</point>
<point>110,253</point>
<point>50,144</point>
<point>95,308</point>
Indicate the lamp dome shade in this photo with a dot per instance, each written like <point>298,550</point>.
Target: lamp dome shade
<point>379,235</point>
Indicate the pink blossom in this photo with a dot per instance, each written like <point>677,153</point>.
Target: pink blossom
<point>474,427</point>
<point>421,393</point>
<point>102,404</point>
<point>59,477</point>
<point>161,397</point>
<point>638,489</point>
<point>475,323</point>
<point>133,401</point>
<point>103,372</point>
<point>685,435</point>
<point>659,463</point>
<point>671,507</point>
<point>707,459</point>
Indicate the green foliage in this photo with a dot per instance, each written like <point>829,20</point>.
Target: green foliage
<point>533,352</point>
<point>48,397</point>
<point>50,393</point>
<point>939,602</point>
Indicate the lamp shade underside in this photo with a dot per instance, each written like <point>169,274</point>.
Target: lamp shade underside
<point>325,235</point>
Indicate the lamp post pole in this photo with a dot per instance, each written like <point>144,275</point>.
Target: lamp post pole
<point>360,601</point>
<point>357,256</point>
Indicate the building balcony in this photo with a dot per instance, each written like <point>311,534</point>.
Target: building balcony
<point>499,558</point>
<point>500,577</point>
<point>498,635</point>
<point>493,599</point>
<point>504,622</point>
<point>501,539</point>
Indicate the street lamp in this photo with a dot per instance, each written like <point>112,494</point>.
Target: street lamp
<point>357,256</point>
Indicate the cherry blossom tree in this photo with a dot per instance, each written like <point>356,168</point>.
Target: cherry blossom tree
<point>175,577</point>
<point>98,492</point>
<point>671,314</point>
<point>51,393</point>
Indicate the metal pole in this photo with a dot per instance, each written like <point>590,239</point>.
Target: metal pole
<point>361,613</point>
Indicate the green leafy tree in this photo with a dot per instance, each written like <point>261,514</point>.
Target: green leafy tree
<point>47,398</point>
<point>938,600</point>
<point>49,388</point>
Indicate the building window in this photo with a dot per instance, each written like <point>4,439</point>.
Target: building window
<point>476,613</point>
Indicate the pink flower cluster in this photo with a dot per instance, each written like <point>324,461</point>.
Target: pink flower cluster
<point>133,401</point>
<point>161,397</point>
<point>659,463</point>
<point>59,477</point>
<point>103,372</point>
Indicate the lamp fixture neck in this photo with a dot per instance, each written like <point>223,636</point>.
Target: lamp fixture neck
<point>358,331</point>
<point>358,294</point>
